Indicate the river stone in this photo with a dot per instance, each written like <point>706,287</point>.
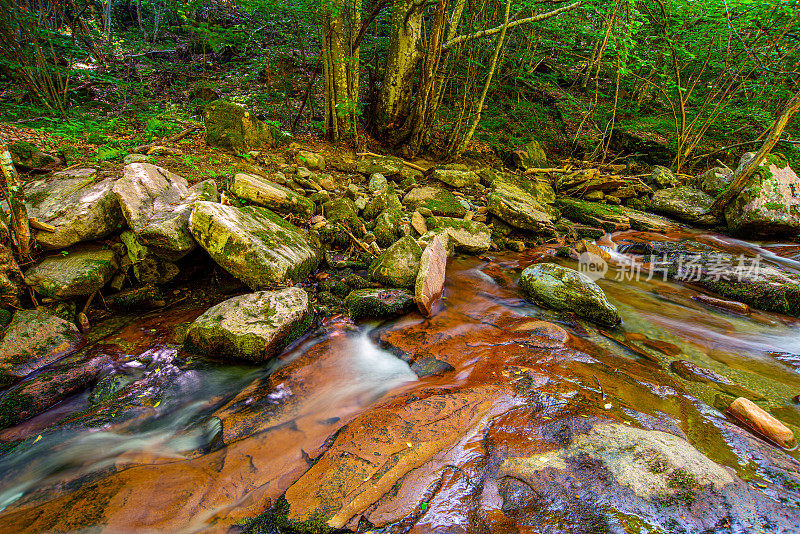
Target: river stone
<point>385,165</point>
<point>560,288</point>
<point>79,206</point>
<point>663,178</point>
<point>520,209</point>
<point>438,200</point>
<point>378,303</point>
<point>769,204</point>
<point>385,199</point>
<point>34,339</point>
<point>609,218</point>
<point>270,195</point>
<point>233,127</point>
<point>456,178</point>
<point>713,181</point>
<point>430,279</point>
<point>470,237</point>
<point>684,203</point>
<point>80,272</point>
<point>398,265</point>
<point>254,327</point>
<point>254,244</point>
<point>377,182</point>
<point>157,204</point>
<point>655,466</point>
<point>48,388</point>
<point>387,227</point>
<point>310,160</point>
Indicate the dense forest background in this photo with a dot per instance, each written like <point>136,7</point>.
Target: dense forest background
<point>663,81</point>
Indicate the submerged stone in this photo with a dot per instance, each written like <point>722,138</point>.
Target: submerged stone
<point>254,244</point>
<point>560,288</point>
<point>254,327</point>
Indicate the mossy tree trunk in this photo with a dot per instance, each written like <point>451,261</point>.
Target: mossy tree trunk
<point>341,22</point>
<point>15,195</point>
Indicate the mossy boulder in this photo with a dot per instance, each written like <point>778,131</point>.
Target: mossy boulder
<point>79,205</point>
<point>157,203</point>
<point>270,195</point>
<point>254,327</point>
<point>456,178</point>
<point>233,127</point>
<point>560,288</point>
<point>310,160</point>
<point>387,227</point>
<point>33,340</point>
<point>383,200</point>
<point>684,203</point>
<point>520,209</point>
<point>398,265</point>
<point>530,156</point>
<point>77,272</point>
<point>769,204</point>
<point>254,244</point>
<point>28,156</point>
<point>438,200</point>
<point>470,237</point>
<point>714,181</point>
<point>609,218</point>
<point>148,268</point>
<point>662,178</point>
<point>378,303</point>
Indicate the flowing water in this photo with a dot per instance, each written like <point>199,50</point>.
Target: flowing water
<point>185,444</point>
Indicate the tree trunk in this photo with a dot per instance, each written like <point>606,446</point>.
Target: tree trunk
<point>740,180</point>
<point>397,92</point>
<point>341,23</point>
<point>12,190</point>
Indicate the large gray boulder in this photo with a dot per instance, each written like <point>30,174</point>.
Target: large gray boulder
<point>270,195</point>
<point>520,209</point>
<point>398,265</point>
<point>769,204</point>
<point>560,288</point>
<point>34,339</point>
<point>254,244</point>
<point>684,203</point>
<point>254,327</point>
<point>77,272</point>
<point>77,204</point>
<point>157,204</point>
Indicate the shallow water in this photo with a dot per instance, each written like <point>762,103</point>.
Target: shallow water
<point>210,444</point>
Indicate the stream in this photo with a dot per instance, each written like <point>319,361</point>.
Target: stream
<point>188,445</point>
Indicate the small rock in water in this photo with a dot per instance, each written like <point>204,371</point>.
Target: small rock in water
<point>757,419</point>
<point>430,279</point>
<point>253,327</point>
<point>561,288</point>
<point>378,303</point>
<point>727,305</point>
